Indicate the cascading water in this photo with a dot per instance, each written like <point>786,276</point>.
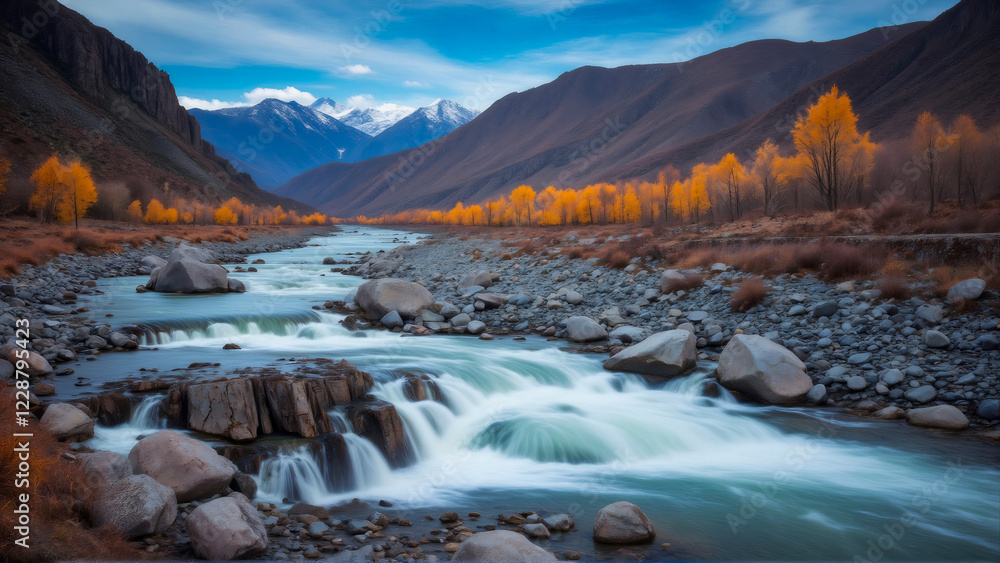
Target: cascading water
<point>511,426</point>
<point>145,419</point>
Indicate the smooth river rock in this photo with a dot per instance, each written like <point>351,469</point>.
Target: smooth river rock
<point>584,329</point>
<point>67,423</point>
<point>665,354</point>
<point>135,506</point>
<point>500,545</point>
<point>378,297</point>
<point>764,370</point>
<point>947,417</point>
<point>226,528</point>
<point>622,522</point>
<point>189,467</point>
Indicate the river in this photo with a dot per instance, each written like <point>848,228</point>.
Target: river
<point>528,425</point>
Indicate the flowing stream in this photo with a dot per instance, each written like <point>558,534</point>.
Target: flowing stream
<point>530,426</point>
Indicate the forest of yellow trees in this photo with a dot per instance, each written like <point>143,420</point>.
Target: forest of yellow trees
<point>833,165</point>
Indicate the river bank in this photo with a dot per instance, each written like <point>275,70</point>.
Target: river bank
<point>864,352</point>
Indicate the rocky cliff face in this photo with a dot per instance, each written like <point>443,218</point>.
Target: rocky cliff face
<point>72,87</point>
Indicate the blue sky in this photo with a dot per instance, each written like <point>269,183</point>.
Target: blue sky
<point>368,52</point>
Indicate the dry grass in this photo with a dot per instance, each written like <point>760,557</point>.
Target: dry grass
<point>894,286</point>
<point>58,532</point>
<point>750,294</point>
<point>615,258</point>
<point>843,262</point>
<point>527,247</point>
<point>685,283</point>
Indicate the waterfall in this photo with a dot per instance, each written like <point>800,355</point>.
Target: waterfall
<point>145,420</point>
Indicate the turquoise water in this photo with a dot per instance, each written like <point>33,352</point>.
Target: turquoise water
<point>529,426</point>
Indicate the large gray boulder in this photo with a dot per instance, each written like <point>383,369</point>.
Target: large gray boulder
<point>966,290</point>
<point>378,297</point>
<point>482,279</point>
<point>947,417</point>
<point>764,370</point>
<point>224,408</point>
<point>190,270</point>
<point>135,506</point>
<point>152,262</point>
<point>226,528</point>
<point>37,366</point>
<point>98,469</point>
<point>500,545</point>
<point>664,354</point>
<point>584,329</point>
<point>622,522</point>
<point>67,423</point>
<point>190,468</point>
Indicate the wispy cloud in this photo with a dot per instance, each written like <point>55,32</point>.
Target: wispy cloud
<point>251,98</point>
<point>415,84</point>
<point>357,69</point>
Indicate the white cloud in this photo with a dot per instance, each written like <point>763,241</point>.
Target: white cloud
<point>361,101</point>
<point>357,69</point>
<point>251,98</point>
<point>416,84</point>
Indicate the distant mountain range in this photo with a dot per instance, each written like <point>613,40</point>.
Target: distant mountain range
<point>274,141</point>
<point>75,89</point>
<point>598,124</point>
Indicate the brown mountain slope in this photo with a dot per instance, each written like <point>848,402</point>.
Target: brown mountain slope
<point>70,87</point>
<point>948,67</point>
<point>585,126</point>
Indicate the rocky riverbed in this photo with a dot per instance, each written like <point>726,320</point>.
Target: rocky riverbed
<point>875,356</point>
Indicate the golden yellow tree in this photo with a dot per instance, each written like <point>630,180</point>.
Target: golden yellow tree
<point>523,200</point>
<point>731,174</point>
<point>225,216</point>
<point>474,213</point>
<point>968,158</point>
<point>81,193</point>
<point>632,208</point>
<point>49,180</point>
<point>155,212</point>
<point>134,212</point>
<point>828,141</point>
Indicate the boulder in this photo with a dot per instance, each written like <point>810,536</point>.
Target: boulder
<point>97,470</point>
<point>135,506</point>
<point>67,423</point>
<point>667,278</point>
<point>223,408</point>
<point>190,468</point>
<point>236,286</point>
<point>475,327</point>
<point>936,339</point>
<point>379,422</point>
<point>584,329</point>
<point>622,522</point>
<point>482,279</point>
<point>665,354</point>
<point>500,545</point>
<point>391,320</point>
<point>627,334</point>
<point>764,370</point>
<point>558,522</point>
<point>947,417</point>
<point>379,297</point>
<point>922,394</point>
<point>152,262</point>
<point>491,300</point>
<point>190,270</point>
<point>226,528</point>
<point>818,395</point>
<point>37,366</point>
<point>930,314</point>
<point>537,530</point>
<point>989,409</point>
<point>966,290</point>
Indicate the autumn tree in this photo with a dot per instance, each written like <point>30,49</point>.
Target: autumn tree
<point>929,141</point>
<point>765,173</point>
<point>523,199</point>
<point>731,174</point>
<point>48,180</point>
<point>134,212</point>
<point>155,212</point>
<point>967,159</point>
<point>827,140</point>
<point>81,193</point>
<point>667,179</point>
<point>225,216</point>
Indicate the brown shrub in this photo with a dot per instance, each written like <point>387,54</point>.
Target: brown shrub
<point>9,267</point>
<point>750,294</point>
<point>841,261</point>
<point>699,258</point>
<point>686,283</point>
<point>526,247</point>
<point>614,258</point>
<point>808,256</point>
<point>893,286</point>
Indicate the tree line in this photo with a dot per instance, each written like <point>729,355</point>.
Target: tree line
<point>66,192</point>
<point>833,165</point>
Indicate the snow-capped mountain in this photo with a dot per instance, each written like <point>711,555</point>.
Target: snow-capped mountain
<point>275,141</point>
<point>330,107</point>
<point>421,126</point>
<point>373,120</point>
